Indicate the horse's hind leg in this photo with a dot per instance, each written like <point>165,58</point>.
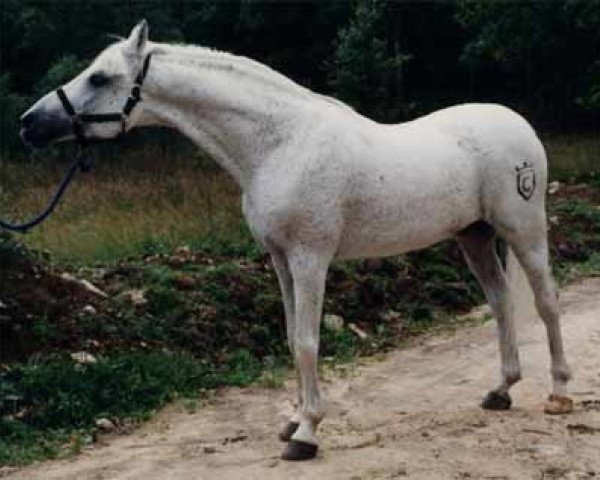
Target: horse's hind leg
<point>478,243</point>
<point>531,248</point>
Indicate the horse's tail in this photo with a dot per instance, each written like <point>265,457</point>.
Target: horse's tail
<point>520,292</point>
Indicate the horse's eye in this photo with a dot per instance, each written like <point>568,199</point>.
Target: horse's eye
<point>99,79</point>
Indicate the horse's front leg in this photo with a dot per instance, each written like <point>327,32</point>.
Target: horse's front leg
<point>308,271</point>
<point>286,284</point>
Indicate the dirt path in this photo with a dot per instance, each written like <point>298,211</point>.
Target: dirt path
<point>413,415</point>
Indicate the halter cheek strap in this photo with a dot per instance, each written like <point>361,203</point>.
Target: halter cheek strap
<point>79,119</point>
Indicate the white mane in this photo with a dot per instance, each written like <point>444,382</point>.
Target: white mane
<point>243,67</point>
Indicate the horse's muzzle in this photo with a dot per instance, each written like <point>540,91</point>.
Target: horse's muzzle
<point>40,129</point>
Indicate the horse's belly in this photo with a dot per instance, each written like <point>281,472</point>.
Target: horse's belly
<point>367,242</point>
<point>380,223</point>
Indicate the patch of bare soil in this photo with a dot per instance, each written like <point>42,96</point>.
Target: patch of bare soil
<point>413,415</point>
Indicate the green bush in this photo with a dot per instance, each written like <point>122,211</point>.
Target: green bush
<point>40,402</point>
<point>60,72</point>
<point>13,255</point>
<point>12,106</point>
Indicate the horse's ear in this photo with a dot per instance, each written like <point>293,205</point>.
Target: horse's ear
<point>138,38</point>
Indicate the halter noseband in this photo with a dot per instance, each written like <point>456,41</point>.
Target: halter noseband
<point>79,119</point>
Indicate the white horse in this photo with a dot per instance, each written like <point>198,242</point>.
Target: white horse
<point>320,181</point>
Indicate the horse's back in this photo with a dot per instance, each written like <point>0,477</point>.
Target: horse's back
<point>489,131</point>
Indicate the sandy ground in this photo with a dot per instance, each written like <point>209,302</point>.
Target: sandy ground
<point>415,414</point>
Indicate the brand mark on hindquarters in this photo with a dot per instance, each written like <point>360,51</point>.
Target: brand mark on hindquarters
<point>525,180</point>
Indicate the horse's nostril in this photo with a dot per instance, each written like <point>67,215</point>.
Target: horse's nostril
<point>28,120</point>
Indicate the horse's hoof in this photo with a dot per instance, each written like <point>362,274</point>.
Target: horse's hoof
<point>558,404</point>
<point>285,435</point>
<point>297,450</point>
<point>496,401</point>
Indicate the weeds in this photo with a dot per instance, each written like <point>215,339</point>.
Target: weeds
<point>575,231</point>
<point>42,404</point>
<point>341,345</point>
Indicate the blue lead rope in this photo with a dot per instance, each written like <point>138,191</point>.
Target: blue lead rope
<point>83,165</point>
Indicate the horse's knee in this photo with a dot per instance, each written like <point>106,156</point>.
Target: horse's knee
<point>546,299</point>
<point>548,311</point>
<point>305,353</point>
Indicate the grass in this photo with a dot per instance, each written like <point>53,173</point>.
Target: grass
<point>143,206</point>
<point>49,407</point>
<point>108,217</point>
<point>572,156</point>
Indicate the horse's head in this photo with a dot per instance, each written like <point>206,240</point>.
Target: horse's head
<point>93,104</point>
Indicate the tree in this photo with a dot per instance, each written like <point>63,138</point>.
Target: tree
<point>363,71</point>
<point>542,55</point>
<point>59,73</point>
<point>12,105</point>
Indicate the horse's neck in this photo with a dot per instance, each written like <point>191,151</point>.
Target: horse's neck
<point>235,109</point>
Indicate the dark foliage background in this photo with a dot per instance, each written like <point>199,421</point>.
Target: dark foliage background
<point>392,60</point>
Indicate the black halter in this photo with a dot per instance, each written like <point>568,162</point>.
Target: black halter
<point>79,119</point>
